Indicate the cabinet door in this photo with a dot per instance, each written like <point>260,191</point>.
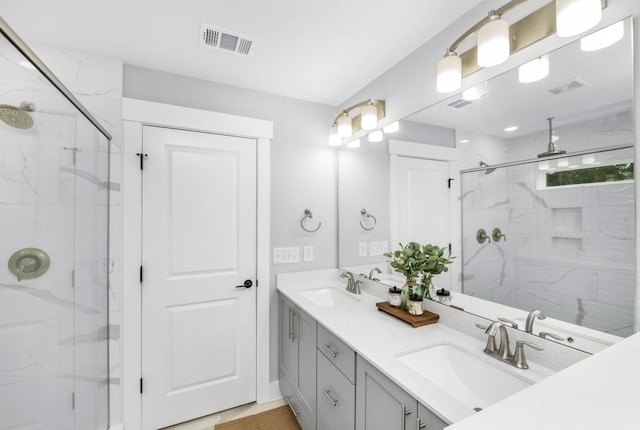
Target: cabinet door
<point>286,353</point>
<point>304,339</point>
<point>380,403</point>
<point>427,420</point>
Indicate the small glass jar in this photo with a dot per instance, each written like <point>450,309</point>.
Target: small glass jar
<point>444,296</point>
<point>394,297</point>
<point>414,303</point>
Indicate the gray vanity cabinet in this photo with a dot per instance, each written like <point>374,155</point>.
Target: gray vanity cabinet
<point>383,405</point>
<point>298,362</point>
<point>336,393</point>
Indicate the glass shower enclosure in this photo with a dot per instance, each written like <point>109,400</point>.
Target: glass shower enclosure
<point>54,202</point>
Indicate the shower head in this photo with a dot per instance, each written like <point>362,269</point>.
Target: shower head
<point>488,171</point>
<point>551,148</point>
<point>17,117</point>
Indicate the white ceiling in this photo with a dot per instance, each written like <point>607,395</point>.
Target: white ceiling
<point>317,50</point>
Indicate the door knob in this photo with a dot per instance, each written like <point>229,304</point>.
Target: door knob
<point>247,284</point>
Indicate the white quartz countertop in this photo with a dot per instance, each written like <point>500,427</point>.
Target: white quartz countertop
<point>599,392</point>
<point>380,338</point>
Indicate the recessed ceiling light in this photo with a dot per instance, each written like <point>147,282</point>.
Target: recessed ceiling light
<point>464,141</point>
<point>512,128</point>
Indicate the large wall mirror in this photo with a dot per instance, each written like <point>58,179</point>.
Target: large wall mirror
<point>566,240</point>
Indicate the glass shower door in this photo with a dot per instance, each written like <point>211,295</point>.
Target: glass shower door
<point>53,256</point>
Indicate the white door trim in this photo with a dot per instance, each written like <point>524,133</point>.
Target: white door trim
<point>137,113</point>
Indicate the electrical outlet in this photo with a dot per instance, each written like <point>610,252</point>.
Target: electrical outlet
<point>362,249</point>
<point>378,248</point>
<point>286,255</point>
<point>307,253</point>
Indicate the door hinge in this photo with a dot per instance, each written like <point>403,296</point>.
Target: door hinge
<point>140,274</point>
<point>73,400</point>
<point>449,249</point>
<point>449,182</point>
<point>140,385</point>
<point>256,282</point>
<point>142,157</point>
<point>73,278</point>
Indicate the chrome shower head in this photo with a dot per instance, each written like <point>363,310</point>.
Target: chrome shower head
<point>17,117</point>
<point>489,170</point>
<point>551,148</point>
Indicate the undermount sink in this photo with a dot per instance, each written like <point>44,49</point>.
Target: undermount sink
<point>327,297</point>
<point>472,381</point>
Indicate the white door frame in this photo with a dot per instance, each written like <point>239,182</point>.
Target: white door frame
<point>401,148</point>
<point>136,114</point>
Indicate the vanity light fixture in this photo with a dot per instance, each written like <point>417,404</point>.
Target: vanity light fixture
<point>563,162</point>
<point>534,70</point>
<point>603,38</point>
<point>497,40</point>
<point>361,116</point>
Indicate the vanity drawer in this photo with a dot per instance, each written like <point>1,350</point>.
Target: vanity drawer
<point>336,395</point>
<point>337,352</point>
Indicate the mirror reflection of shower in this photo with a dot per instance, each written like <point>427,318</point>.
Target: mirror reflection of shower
<point>551,147</point>
<point>17,116</point>
<point>489,170</point>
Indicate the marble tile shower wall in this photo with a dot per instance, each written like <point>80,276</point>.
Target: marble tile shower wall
<point>47,200</point>
<point>557,239</point>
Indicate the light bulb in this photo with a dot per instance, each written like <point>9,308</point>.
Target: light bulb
<point>369,117</point>
<point>449,73</point>
<point>376,136</point>
<point>344,125</point>
<point>334,139</point>
<point>603,38</point>
<point>493,42</point>
<point>576,16</point>
<point>534,70</point>
<point>354,144</point>
<point>391,128</point>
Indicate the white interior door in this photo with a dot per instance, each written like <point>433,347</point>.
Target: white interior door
<point>422,206</point>
<point>199,244</point>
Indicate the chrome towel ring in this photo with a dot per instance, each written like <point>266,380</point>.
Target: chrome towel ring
<point>368,215</point>
<point>308,214</point>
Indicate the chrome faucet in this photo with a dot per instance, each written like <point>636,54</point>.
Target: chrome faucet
<point>353,286</point>
<point>528,326</point>
<point>503,353</point>
<point>375,269</point>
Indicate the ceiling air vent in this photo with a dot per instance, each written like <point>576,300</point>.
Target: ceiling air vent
<point>458,104</point>
<point>228,41</point>
<point>565,87</point>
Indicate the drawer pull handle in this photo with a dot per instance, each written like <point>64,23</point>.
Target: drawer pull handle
<point>328,348</point>
<point>295,413</point>
<point>420,424</point>
<point>326,392</point>
<point>405,412</point>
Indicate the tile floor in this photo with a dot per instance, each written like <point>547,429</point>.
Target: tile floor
<point>209,422</point>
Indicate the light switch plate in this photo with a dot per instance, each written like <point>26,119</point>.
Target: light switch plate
<point>307,253</point>
<point>378,248</point>
<point>286,255</point>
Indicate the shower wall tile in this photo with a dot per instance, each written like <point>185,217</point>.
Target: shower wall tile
<point>617,287</point>
<point>557,238</point>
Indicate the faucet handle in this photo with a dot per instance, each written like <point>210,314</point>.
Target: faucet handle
<point>546,335</point>
<point>481,327</point>
<point>356,287</point>
<point>512,324</point>
<point>519,359</point>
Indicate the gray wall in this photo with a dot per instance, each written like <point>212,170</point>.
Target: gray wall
<point>303,166</point>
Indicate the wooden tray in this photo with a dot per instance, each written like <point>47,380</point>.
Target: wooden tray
<point>415,320</point>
